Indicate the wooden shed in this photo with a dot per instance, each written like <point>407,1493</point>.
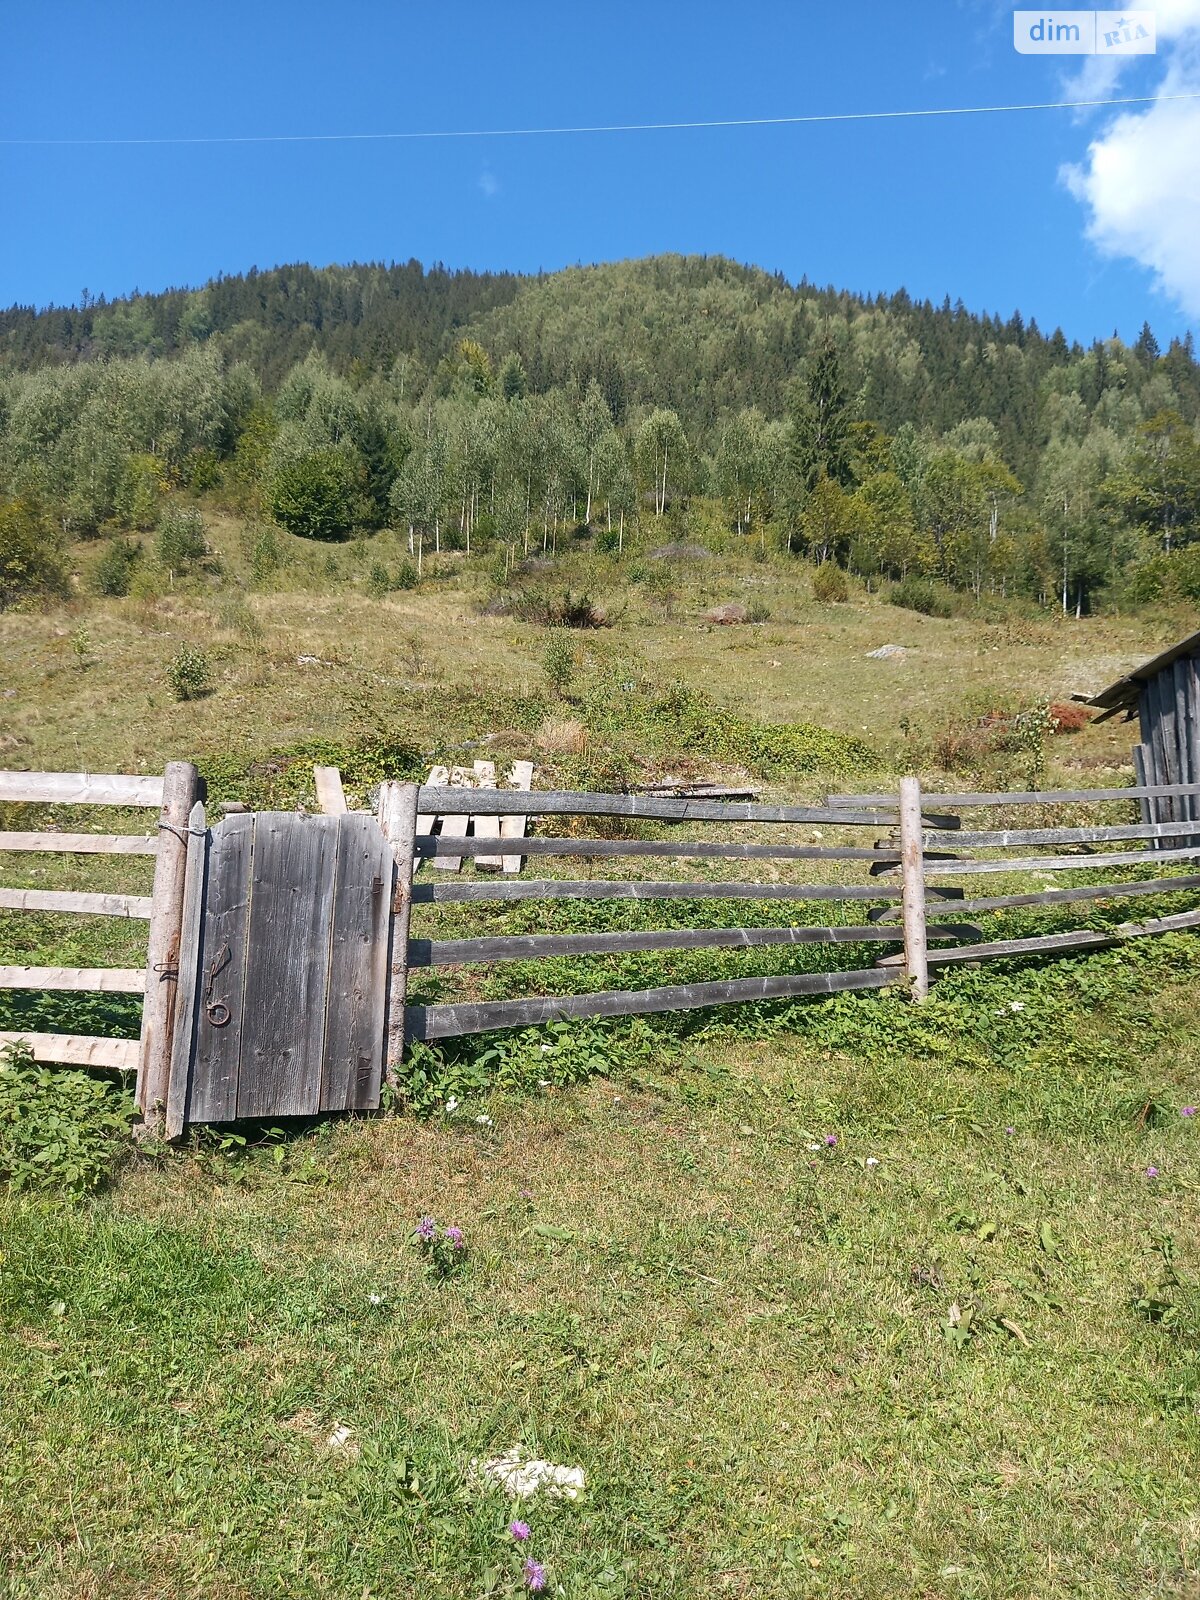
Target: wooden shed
<point>1165,694</point>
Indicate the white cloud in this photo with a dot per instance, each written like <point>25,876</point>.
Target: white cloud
<point>489,184</point>
<point>1140,181</point>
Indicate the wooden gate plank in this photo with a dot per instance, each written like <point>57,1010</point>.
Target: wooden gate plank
<point>456,824</point>
<point>227,910</point>
<point>514,827</point>
<point>487,827</point>
<point>352,1060</point>
<point>290,927</point>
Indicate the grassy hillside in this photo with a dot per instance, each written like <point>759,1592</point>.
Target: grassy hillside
<point>824,1298</point>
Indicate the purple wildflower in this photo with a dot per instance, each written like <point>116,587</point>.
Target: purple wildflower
<point>426,1229</point>
<point>1187,1111</point>
<point>535,1576</point>
<point>831,1139</point>
<point>455,1236</point>
<point>1010,1131</point>
<point>519,1531</point>
<point>1152,1172</point>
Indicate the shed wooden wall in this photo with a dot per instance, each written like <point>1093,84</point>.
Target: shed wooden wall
<point>1169,712</point>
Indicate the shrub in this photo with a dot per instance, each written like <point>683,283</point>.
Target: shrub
<point>558,664</point>
<point>533,603</point>
<point>570,610</point>
<point>265,555</point>
<point>58,1129</point>
<point>918,594</point>
<point>314,495</point>
<point>829,584</point>
<point>31,564</point>
<point>114,570</point>
<point>381,582</point>
<point>181,538</point>
<point>189,674</point>
<point>759,611</point>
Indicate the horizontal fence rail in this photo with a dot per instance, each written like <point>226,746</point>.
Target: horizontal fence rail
<point>1052,897</point>
<point>636,889</point>
<point>76,1050</point>
<point>1024,797</point>
<point>86,844</point>
<point>446,1021</point>
<point>539,946</point>
<point>449,801</point>
<point>81,788</point>
<point>88,905</point>
<point>696,849</point>
<point>99,980</point>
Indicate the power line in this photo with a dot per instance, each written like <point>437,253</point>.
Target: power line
<point>611,127</point>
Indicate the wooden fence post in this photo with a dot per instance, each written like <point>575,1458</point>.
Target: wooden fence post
<point>398,819</point>
<point>912,869</point>
<point>187,983</point>
<point>180,784</point>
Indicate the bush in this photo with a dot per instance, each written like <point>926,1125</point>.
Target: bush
<point>558,664</point>
<point>759,611</point>
<point>265,555</point>
<point>381,582</point>
<point>918,594</point>
<point>189,674</point>
<point>58,1129</point>
<point>829,584</point>
<point>31,564</point>
<point>114,570</point>
<point>315,495</point>
<point>181,538</point>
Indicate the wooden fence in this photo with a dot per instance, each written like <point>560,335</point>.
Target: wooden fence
<point>172,796</point>
<point>905,887</point>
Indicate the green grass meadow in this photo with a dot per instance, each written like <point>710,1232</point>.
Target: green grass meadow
<point>829,1298</point>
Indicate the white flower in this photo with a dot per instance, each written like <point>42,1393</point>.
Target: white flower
<point>452,1104</point>
<point>543,1083</point>
<point>814,1147</point>
<point>375,1299</point>
<point>1016,1005</point>
<point>872,1161</point>
<point>484,1122</point>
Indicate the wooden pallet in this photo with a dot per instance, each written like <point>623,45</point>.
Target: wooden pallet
<point>482,775</point>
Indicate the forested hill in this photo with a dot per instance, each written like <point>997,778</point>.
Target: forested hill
<point>703,336</point>
<point>893,437</point>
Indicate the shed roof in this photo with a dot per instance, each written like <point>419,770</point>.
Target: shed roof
<point>1125,691</point>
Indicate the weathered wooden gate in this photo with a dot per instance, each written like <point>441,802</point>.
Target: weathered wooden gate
<point>281,1007</point>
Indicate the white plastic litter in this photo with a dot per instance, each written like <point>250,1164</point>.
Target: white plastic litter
<point>522,1479</point>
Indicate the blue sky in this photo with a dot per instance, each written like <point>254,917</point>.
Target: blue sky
<point>975,207</point>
